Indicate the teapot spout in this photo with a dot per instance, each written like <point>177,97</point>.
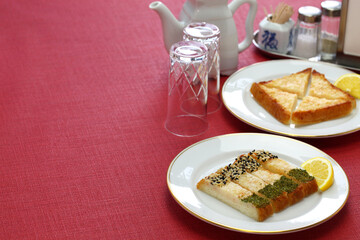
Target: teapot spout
<point>172,28</point>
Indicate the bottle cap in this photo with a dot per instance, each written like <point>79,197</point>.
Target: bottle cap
<point>331,8</point>
<point>309,14</point>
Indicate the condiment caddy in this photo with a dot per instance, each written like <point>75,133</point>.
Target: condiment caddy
<point>275,30</point>
<point>313,37</point>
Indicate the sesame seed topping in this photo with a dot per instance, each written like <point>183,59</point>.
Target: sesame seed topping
<point>262,155</point>
<point>242,164</point>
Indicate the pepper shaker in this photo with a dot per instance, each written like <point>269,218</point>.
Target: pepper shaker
<point>331,11</point>
<point>307,32</point>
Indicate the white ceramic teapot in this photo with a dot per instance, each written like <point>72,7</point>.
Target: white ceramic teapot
<point>217,12</point>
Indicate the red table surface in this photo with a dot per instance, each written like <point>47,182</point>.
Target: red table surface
<point>83,150</point>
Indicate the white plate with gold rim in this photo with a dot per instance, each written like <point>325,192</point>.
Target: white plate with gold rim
<point>205,157</point>
<point>238,99</point>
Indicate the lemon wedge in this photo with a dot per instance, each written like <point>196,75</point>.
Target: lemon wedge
<point>350,83</point>
<point>322,170</point>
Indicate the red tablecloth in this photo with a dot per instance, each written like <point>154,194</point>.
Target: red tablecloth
<point>83,150</point>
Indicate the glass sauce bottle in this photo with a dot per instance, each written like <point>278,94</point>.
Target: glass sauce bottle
<point>307,32</point>
<point>331,11</point>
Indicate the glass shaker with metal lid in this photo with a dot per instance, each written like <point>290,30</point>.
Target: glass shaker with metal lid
<point>307,32</point>
<point>331,11</point>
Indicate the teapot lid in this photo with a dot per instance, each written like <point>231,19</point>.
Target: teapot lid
<point>201,30</point>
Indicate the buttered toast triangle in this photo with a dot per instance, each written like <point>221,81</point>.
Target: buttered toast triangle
<point>313,110</point>
<point>278,103</point>
<point>323,102</point>
<point>295,83</point>
<point>322,88</point>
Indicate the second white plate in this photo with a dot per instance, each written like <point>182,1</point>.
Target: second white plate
<point>207,156</point>
<point>239,101</point>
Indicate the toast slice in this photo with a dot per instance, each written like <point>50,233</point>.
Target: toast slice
<point>259,184</point>
<point>323,102</point>
<point>314,110</point>
<point>220,186</point>
<point>241,175</point>
<point>293,191</point>
<point>296,83</point>
<point>322,88</point>
<point>278,103</point>
<point>275,164</point>
<point>272,188</point>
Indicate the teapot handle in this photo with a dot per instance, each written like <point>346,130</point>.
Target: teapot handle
<point>233,6</point>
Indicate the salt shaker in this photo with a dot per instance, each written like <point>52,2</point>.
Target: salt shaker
<point>307,32</point>
<point>330,23</point>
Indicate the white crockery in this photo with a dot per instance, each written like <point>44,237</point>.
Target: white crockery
<point>238,99</point>
<point>207,156</point>
<point>274,36</point>
<point>217,12</point>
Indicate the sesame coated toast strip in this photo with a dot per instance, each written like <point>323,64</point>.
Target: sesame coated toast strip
<point>220,186</point>
<point>288,191</point>
<point>282,167</point>
<point>259,184</point>
<point>294,192</point>
<point>239,175</point>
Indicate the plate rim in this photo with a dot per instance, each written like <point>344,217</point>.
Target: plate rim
<point>284,133</point>
<point>259,232</point>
